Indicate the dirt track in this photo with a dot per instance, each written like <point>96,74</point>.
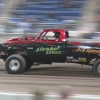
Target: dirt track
<point>80,78</point>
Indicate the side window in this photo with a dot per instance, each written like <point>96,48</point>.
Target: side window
<point>49,35</point>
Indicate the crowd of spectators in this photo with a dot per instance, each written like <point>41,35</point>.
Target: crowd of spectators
<point>97,16</point>
<point>44,12</point>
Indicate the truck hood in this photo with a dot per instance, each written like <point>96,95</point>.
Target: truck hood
<point>19,40</point>
<point>88,42</point>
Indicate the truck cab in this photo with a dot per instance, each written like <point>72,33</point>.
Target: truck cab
<point>53,35</point>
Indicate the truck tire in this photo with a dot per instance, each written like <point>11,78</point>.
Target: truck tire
<point>96,68</point>
<point>28,62</point>
<point>15,64</point>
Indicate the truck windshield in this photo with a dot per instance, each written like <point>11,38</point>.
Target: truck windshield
<point>41,37</point>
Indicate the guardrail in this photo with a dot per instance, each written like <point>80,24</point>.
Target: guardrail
<point>25,96</point>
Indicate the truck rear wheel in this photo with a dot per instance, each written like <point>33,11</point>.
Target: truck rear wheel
<point>96,68</point>
<point>15,64</point>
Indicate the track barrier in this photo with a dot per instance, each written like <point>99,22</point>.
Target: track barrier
<point>25,96</point>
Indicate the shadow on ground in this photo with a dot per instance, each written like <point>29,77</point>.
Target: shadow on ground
<point>73,71</point>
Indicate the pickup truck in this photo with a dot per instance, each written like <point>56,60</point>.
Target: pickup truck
<point>51,45</point>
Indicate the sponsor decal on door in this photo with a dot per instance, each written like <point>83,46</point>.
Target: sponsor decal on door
<point>69,58</point>
<point>82,59</point>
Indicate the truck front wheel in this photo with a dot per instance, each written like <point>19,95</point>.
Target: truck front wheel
<point>29,63</point>
<point>96,68</point>
<point>15,64</point>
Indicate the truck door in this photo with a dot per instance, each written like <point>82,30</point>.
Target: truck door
<point>49,48</point>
